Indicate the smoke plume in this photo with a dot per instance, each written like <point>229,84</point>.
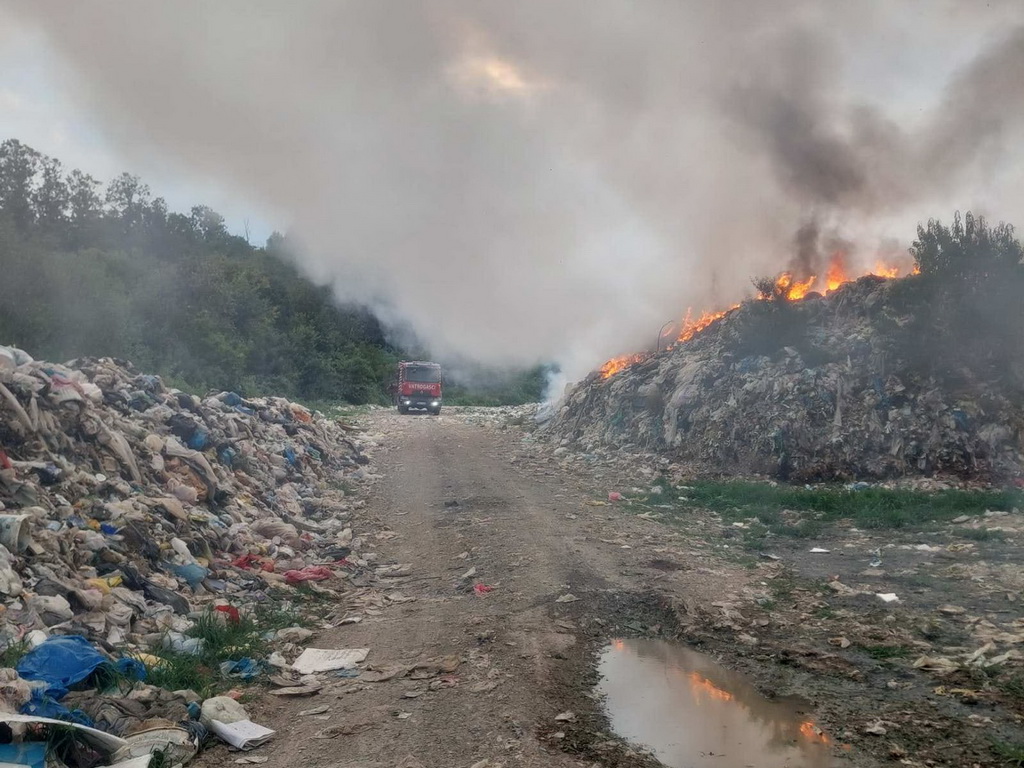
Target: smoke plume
<point>537,181</point>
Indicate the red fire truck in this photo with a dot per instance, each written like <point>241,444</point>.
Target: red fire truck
<point>418,385</point>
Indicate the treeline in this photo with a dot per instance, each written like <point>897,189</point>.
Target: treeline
<point>88,270</point>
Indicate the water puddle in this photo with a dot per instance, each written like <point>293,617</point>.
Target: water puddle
<point>694,713</point>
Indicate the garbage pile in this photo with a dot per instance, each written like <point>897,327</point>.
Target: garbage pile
<point>838,406</point>
<point>135,520</point>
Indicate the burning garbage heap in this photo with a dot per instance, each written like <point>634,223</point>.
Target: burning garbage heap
<point>132,514</point>
<point>802,387</point>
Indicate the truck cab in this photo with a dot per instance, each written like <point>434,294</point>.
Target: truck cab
<point>418,386</point>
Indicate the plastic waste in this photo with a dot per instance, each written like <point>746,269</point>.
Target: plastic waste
<point>60,662</point>
<point>309,573</point>
<point>222,708</point>
<point>242,669</point>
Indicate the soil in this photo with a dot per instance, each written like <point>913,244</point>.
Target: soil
<point>461,492</point>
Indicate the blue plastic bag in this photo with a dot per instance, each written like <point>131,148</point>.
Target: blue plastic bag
<point>41,705</point>
<point>192,573</point>
<point>60,662</point>
<point>29,753</point>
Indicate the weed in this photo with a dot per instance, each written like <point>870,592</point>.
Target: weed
<point>980,534</point>
<point>1012,686</point>
<point>1011,754</point>
<point>868,508</point>
<point>11,655</point>
<point>278,615</point>
<point>825,612</point>
<point>181,671</point>
<point>222,639</point>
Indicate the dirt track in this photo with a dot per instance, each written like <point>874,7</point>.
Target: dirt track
<point>456,495</point>
<point>451,489</point>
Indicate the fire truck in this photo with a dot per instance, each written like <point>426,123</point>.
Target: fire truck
<point>418,385</point>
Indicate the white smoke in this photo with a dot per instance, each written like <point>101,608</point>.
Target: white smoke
<point>536,181</point>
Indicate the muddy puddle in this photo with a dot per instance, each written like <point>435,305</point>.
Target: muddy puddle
<point>692,712</point>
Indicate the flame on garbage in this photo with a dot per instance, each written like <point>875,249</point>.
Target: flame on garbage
<point>786,285</point>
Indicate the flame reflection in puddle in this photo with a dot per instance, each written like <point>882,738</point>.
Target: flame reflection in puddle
<point>693,712</point>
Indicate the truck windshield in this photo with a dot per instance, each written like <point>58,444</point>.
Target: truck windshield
<point>423,374</point>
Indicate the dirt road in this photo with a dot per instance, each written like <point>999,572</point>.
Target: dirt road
<point>508,575</point>
<point>458,501</point>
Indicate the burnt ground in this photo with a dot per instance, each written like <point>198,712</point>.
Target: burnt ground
<point>496,668</point>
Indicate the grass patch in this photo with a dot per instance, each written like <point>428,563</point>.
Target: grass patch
<point>1012,686</point>
<point>774,505</point>
<point>11,655</point>
<point>1010,754</point>
<point>979,534</point>
<point>181,671</point>
<point>222,640</point>
<point>884,652</point>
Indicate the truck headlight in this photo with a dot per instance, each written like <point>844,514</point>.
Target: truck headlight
<point>434,404</point>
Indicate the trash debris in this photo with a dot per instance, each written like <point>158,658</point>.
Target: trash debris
<point>819,551</point>
<point>128,509</point>
<point>614,496</point>
<point>876,729</point>
<point>887,597</point>
<point>313,660</point>
<point>243,734</point>
<point>222,708</point>
<point>482,589</point>
<point>804,414</point>
<point>178,744</point>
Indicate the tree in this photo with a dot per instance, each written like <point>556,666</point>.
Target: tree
<point>51,197</point>
<point>968,250</point>
<point>18,167</point>
<point>207,223</point>
<point>83,199</point>
<point>127,198</point>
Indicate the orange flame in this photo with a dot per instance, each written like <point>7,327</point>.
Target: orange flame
<point>836,275</point>
<point>691,328</point>
<point>617,364</point>
<point>792,289</point>
<point>787,285</point>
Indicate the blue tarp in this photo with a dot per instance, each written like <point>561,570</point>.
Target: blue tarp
<point>60,662</point>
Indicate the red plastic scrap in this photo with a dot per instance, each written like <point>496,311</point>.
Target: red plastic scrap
<point>482,589</point>
<point>5,463</point>
<point>614,496</point>
<point>309,573</point>
<point>254,561</point>
<point>233,615</point>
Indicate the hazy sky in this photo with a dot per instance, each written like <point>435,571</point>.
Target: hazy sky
<point>536,180</point>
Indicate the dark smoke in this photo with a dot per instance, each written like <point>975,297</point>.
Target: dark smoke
<point>554,181</point>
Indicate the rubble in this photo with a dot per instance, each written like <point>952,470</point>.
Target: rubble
<point>133,514</point>
<point>839,406</point>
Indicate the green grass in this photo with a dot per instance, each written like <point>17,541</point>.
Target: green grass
<point>883,652</point>
<point>1012,686</point>
<point>182,671</point>
<point>11,655</point>
<point>223,640</point>
<point>804,512</point>
<point>1010,754</point>
<point>980,534</point>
